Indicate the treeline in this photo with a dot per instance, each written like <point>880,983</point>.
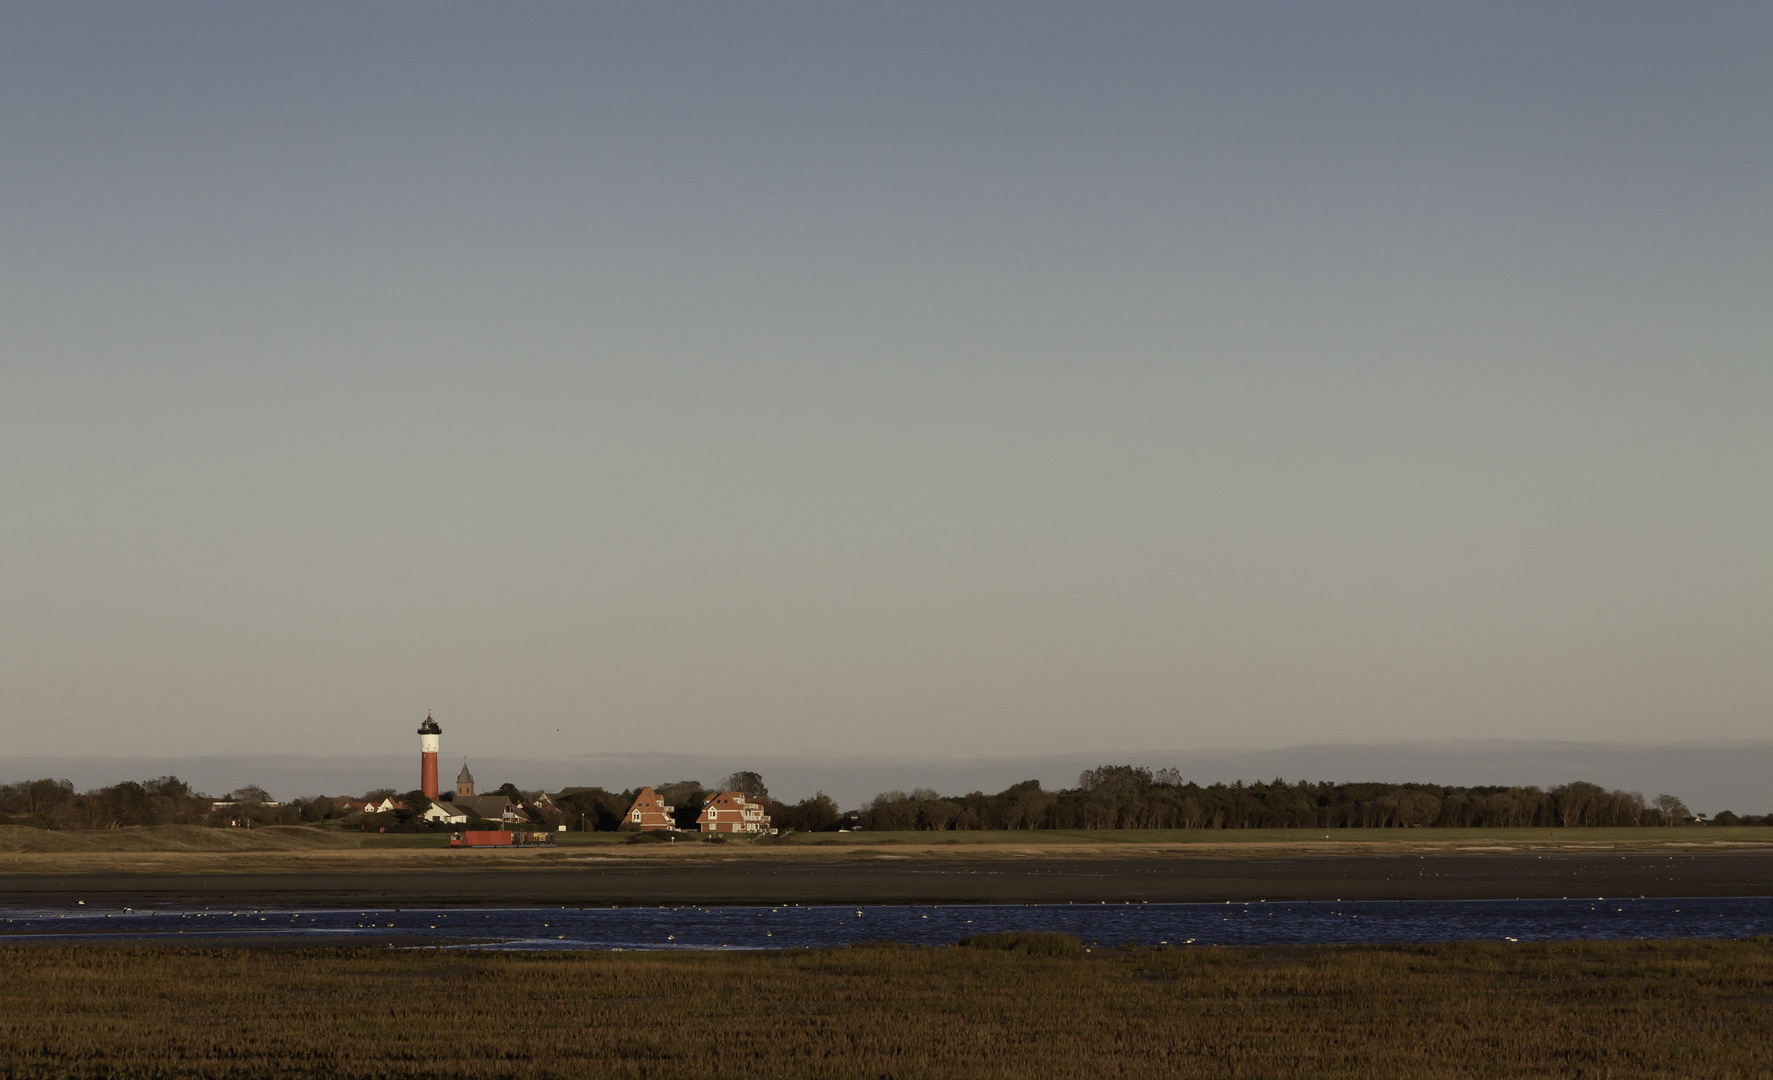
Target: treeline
<point>1127,797</point>
<point>48,803</point>
<point>164,800</point>
<point>1110,797</point>
<point>167,800</point>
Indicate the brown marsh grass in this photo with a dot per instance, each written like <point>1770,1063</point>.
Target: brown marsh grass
<point>173,838</point>
<point>23,839</point>
<point>297,849</point>
<point>1666,1009</point>
<point>1307,839</point>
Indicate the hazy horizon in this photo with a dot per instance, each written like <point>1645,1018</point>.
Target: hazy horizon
<point>922,379</point>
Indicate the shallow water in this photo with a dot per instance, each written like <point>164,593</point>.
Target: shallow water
<point>793,927</point>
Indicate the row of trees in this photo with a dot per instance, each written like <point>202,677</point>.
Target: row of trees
<point>1128,797</point>
<point>165,800</point>
<point>1110,797</point>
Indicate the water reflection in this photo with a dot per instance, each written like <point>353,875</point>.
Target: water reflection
<point>794,926</point>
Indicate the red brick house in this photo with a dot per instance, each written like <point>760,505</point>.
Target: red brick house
<point>649,812</point>
<point>733,812</point>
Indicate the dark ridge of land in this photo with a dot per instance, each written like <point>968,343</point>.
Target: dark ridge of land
<point>904,880</point>
<point>1624,1010</point>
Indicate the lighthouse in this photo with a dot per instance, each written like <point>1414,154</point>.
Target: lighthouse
<point>428,732</point>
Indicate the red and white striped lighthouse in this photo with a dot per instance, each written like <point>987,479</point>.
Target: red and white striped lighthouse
<point>428,732</point>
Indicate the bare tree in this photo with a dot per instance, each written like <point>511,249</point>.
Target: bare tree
<point>748,782</point>
<point>1674,811</point>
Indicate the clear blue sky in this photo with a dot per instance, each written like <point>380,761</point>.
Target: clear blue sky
<point>870,379</point>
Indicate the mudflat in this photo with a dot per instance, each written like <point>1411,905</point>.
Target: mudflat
<point>305,867</point>
<point>981,875</point>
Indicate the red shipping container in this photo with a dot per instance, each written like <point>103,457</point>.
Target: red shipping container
<point>487,838</point>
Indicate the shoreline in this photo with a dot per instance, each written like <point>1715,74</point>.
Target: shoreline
<point>509,880</point>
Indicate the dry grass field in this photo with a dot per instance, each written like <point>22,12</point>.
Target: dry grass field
<point>1305,838</point>
<point>20,839</point>
<point>1572,1010</point>
<point>194,849</point>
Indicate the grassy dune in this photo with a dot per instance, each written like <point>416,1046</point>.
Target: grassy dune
<point>1615,1010</point>
<point>19,838</point>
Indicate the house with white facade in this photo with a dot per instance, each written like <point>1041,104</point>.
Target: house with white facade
<point>734,812</point>
<point>445,814</point>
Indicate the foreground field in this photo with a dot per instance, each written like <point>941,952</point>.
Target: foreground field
<point>1305,839</point>
<point>314,868</point>
<point>1639,1010</point>
<point>22,847</point>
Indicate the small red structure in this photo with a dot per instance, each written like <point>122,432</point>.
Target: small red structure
<point>488,838</point>
<point>500,838</point>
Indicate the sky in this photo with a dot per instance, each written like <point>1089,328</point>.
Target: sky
<point>896,380</point>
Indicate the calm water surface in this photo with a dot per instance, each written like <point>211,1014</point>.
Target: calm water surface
<point>793,927</point>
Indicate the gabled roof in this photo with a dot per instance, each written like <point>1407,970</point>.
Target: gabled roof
<point>489,807</point>
<point>728,800</point>
<point>648,799</point>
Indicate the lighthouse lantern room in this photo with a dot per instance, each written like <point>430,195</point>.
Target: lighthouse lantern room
<point>428,733</point>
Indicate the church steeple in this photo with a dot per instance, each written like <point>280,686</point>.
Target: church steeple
<point>465,781</point>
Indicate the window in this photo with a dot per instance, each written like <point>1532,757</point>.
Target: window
<point>636,815</point>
